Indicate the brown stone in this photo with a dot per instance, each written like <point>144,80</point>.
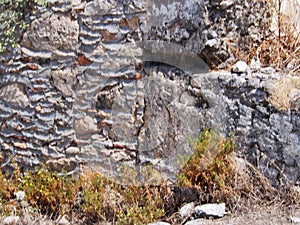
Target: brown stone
<point>21,145</point>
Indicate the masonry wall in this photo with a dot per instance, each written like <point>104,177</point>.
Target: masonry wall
<point>77,93</point>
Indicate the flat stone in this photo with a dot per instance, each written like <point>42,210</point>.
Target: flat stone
<point>226,4</point>
<point>119,156</point>
<point>20,145</point>
<point>195,222</point>
<point>62,164</point>
<point>210,210</point>
<point>84,126</point>
<point>14,94</point>
<point>72,150</point>
<point>159,223</point>
<point>52,31</point>
<point>64,80</point>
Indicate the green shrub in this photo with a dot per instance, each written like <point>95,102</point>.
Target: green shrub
<point>14,20</point>
<point>130,204</point>
<point>48,191</point>
<point>211,166</point>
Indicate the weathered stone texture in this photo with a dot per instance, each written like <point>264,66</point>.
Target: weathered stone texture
<point>52,32</point>
<point>14,94</point>
<point>268,136</point>
<point>78,93</point>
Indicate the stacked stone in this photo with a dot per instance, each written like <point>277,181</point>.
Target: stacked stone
<point>75,93</point>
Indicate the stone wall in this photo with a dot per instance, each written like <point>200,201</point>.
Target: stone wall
<point>77,93</point>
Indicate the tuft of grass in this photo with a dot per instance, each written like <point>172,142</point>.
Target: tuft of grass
<point>280,50</point>
<point>283,52</point>
<point>211,168</point>
<point>284,93</point>
<point>105,200</point>
<point>90,196</point>
<point>49,192</point>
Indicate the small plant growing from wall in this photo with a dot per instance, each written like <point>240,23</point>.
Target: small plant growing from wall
<point>14,20</point>
<point>211,167</point>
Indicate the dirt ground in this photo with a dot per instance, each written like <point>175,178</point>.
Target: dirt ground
<point>259,216</point>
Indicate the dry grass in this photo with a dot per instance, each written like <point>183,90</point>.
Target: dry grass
<point>225,178</point>
<point>279,49</point>
<point>283,51</point>
<point>87,199</point>
<point>285,93</point>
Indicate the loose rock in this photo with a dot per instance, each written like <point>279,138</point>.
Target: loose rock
<point>210,210</point>
<point>195,222</point>
<point>72,150</point>
<point>240,67</point>
<point>11,220</point>
<point>187,210</point>
<point>295,220</point>
<point>159,223</point>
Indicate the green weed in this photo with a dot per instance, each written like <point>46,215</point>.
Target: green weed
<point>13,20</point>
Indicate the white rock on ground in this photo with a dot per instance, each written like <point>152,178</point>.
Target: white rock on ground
<point>10,220</point>
<point>20,195</point>
<point>210,210</point>
<point>63,220</point>
<point>295,220</point>
<point>240,67</point>
<point>195,222</point>
<point>159,223</point>
<point>187,210</point>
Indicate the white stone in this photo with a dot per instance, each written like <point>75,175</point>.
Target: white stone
<point>212,43</point>
<point>87,125</point>
<point>195,222</point>
<point>119,156</point>
<point>226,4</point>
<point>240,67</point>
<point>255,63</point>
<point>20,145</point>
<point>14,94</point>
<point>187,210</point>
<point>20,195</point>
<point>214,210</point>
<point>72,150</point>
<point>295,220</point>
<point>63,220</point>
<point>159,223</point>
<point>10,220</point>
